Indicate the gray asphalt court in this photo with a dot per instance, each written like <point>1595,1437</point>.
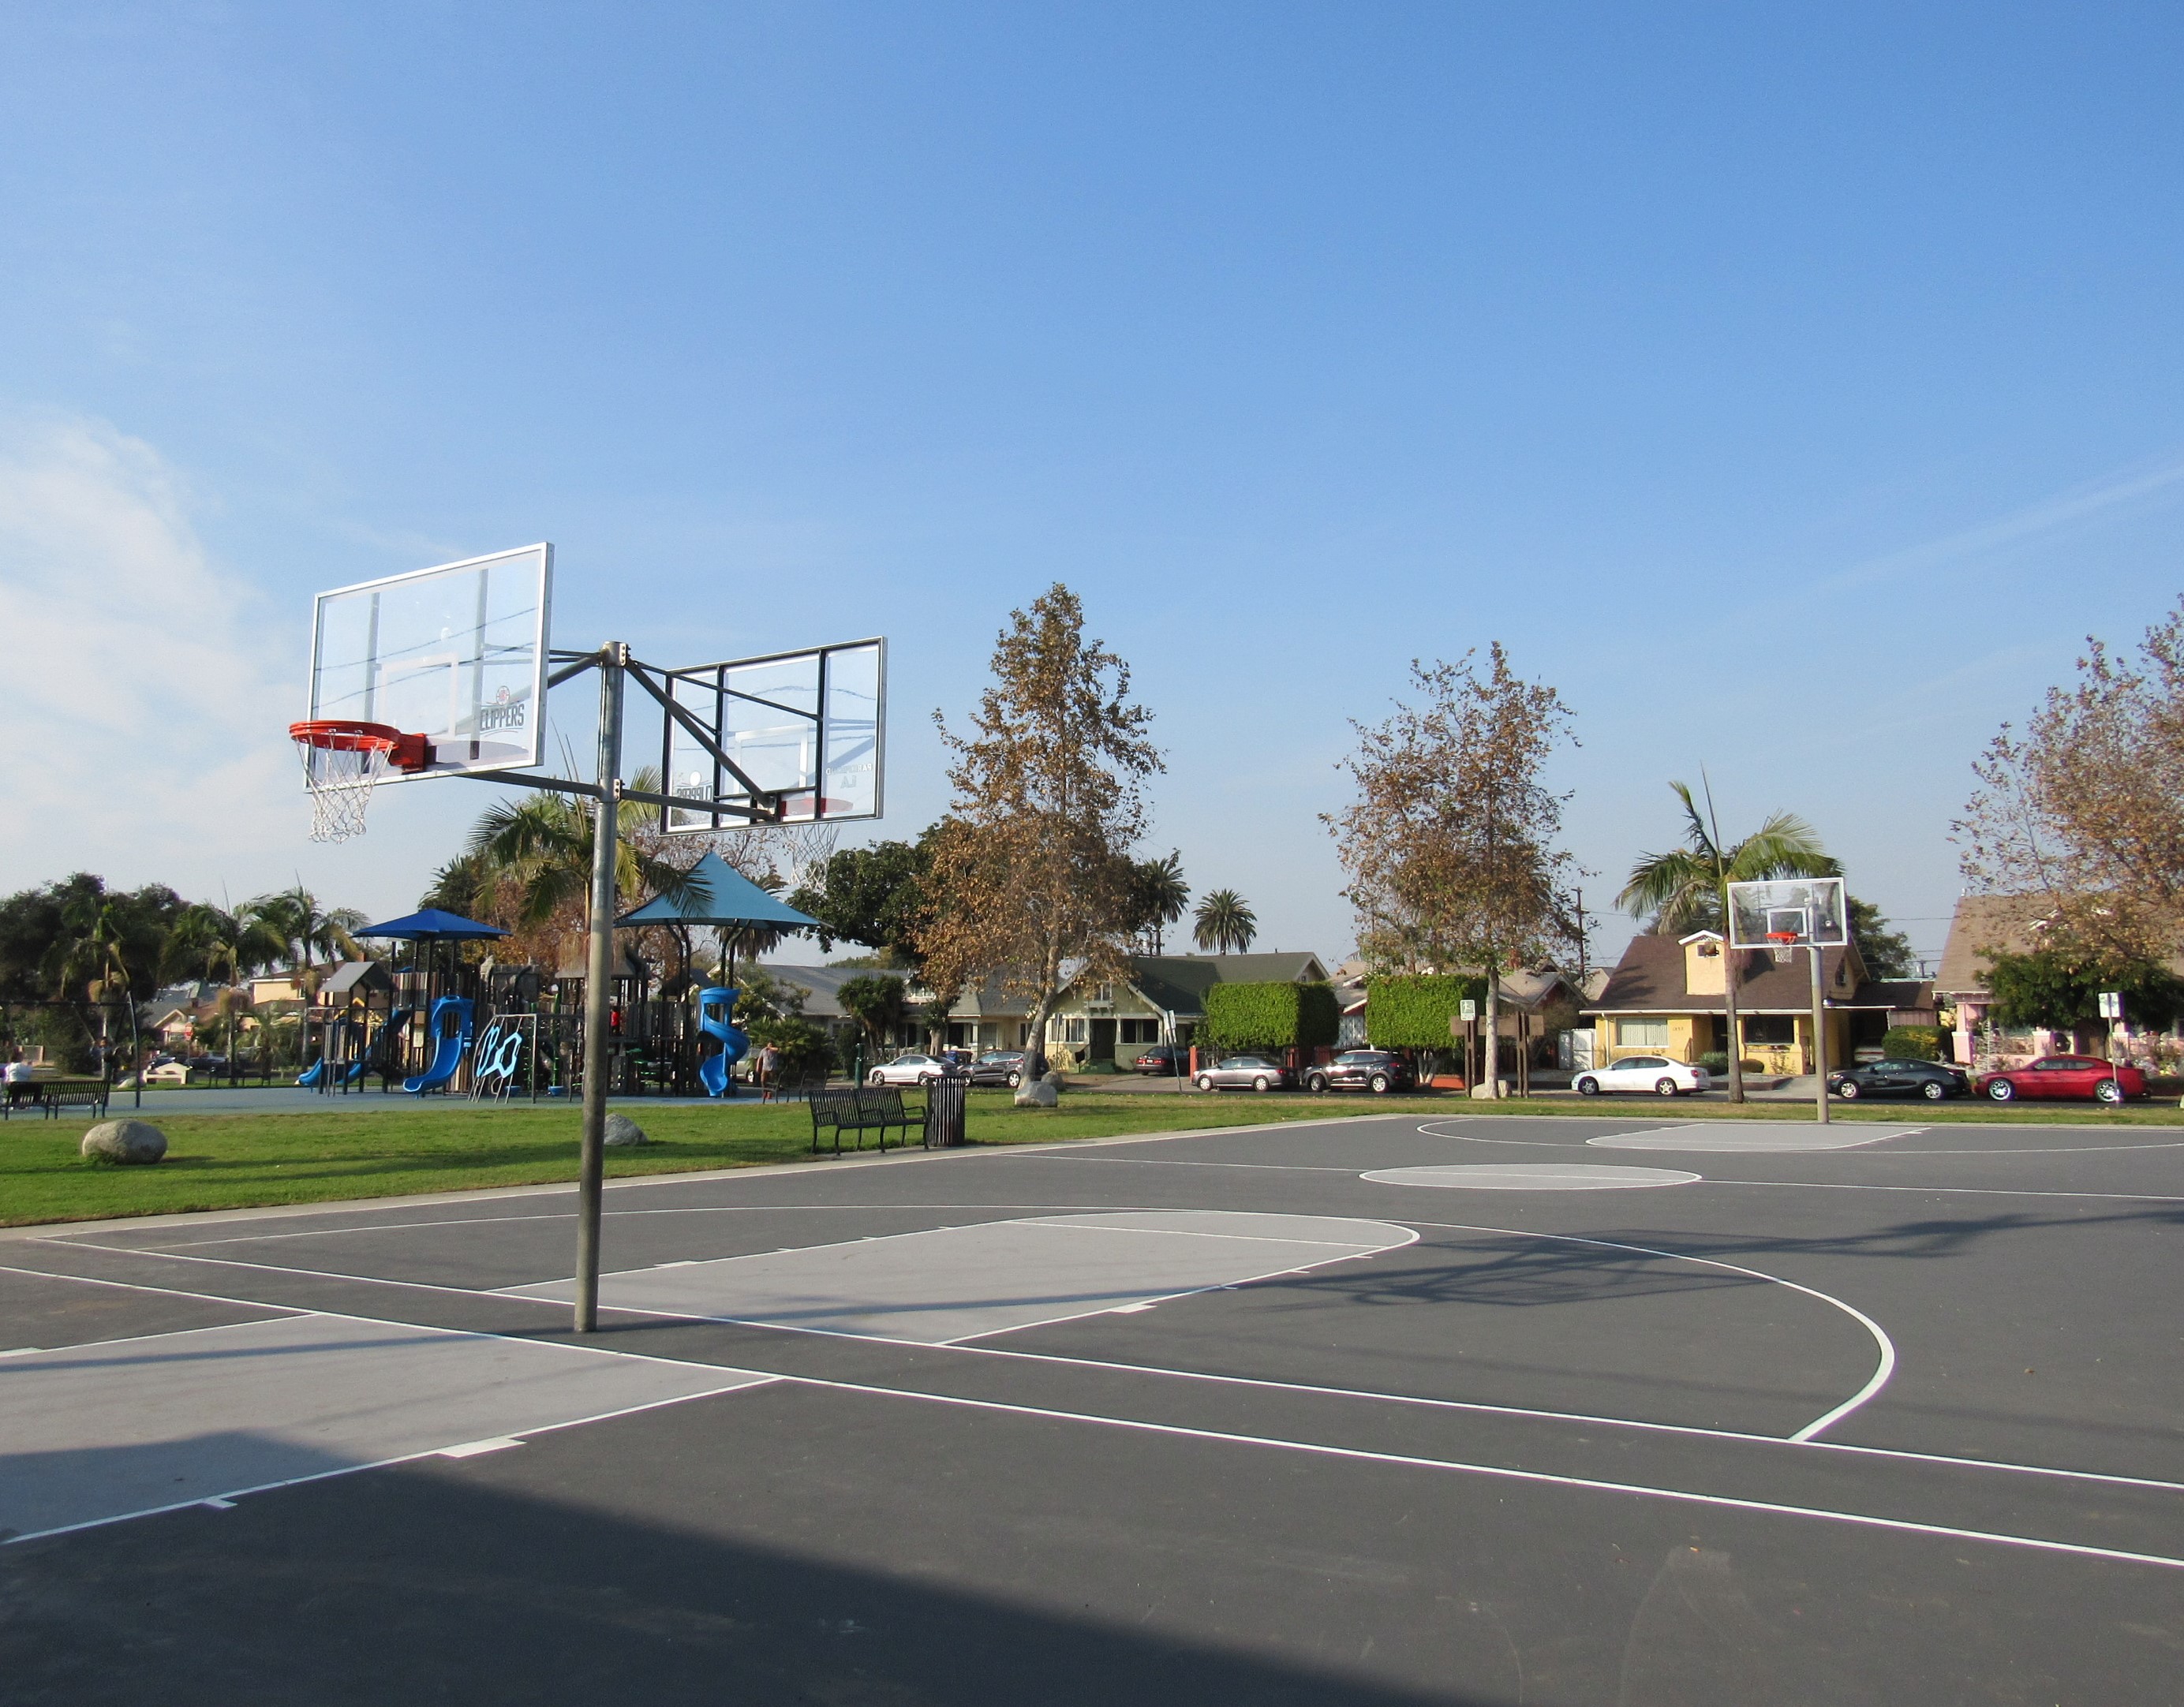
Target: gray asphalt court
<point>1617,1409</point>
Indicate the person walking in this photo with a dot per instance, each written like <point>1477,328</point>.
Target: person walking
<point>769,1065</point>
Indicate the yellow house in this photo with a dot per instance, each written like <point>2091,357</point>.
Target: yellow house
<point>1668,996</point>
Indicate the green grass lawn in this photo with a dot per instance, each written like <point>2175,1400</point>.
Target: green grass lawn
<point>217,1161</point>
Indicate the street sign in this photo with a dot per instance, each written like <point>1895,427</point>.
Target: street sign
<point>1466,1009</point>
<point>2112,1005</point>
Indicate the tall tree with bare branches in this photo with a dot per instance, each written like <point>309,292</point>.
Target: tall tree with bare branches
<point>1031,881</point>
<point>2081,810</point>
<point>1450,844</point>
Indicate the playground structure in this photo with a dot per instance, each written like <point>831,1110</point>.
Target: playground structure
<point>716,1008</point>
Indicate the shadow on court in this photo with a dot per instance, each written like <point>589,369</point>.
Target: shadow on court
<point>415,1589</point>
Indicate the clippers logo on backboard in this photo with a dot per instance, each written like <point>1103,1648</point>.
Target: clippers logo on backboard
<point>500,712</point>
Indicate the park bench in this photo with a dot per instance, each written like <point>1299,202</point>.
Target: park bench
<point>864,1109</point>
<point>53,1095</point>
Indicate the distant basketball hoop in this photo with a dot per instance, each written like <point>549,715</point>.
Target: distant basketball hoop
<point>342,760</point>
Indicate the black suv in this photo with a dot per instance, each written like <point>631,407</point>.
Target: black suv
<point>998,1067</point>
<point>1362,1070</point>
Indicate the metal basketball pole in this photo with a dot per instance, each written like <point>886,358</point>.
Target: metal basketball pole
<point>1819,1037</point>
<point>599,982</point>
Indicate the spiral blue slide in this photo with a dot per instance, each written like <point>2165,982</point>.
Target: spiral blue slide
<point>716,1008</point>
<point>449,1046</point>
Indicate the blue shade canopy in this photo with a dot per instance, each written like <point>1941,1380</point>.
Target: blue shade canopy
<point>719,894</point>
<point>431,925</point>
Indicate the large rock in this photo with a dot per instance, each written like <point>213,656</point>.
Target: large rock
<point>623,1132</point>
<point>1041,1093</point>
<point>125,1141</point>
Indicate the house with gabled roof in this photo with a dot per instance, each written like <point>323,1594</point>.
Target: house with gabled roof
<point>1162,999</point>
<point>1667,996</point>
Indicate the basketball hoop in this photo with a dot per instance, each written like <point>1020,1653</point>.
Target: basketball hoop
<point>1785,942</point>
<point>342,761</point>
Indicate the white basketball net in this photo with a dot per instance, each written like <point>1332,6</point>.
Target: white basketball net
<point>340,779</point>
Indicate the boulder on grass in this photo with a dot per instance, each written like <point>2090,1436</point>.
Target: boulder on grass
<point>623,1132</point>
<point>125,1141</point>
<point>1041,1093</point>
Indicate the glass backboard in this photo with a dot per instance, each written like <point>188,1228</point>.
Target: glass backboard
<point>1788,913</point>
<point>809,727</point>
<point>456,654</point>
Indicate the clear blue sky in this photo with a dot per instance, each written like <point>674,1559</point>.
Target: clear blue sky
<point>1792,387</point>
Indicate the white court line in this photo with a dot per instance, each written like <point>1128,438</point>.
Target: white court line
<point>970,1346</point>
<point>1883,1369</point>
<point>1537,1478</point>
<point>1427,1129</point>
<point>1947,1191</point>
<point>1082,1226</point>
<point>231,1495</point>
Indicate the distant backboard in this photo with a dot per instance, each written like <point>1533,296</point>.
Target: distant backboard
<point>1789,912</point>
<point>807,727</point>
<point>455,653</point>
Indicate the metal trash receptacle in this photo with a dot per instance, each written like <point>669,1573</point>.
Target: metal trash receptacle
<point>944,1097</point>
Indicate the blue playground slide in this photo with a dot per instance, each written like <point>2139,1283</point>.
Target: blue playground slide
<point>716,1008</point>
<point>449,1046</point>
<point>317,1070</point>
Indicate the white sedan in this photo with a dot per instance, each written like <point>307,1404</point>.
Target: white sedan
<point>1654,1073</point>
<point>907,1069</point>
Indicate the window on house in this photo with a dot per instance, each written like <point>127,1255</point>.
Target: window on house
<point>1137,1030</point>
<point>1105,992</point>
<point>1071,1030</point>
<point>1779,1030</point>
<point>1641,1034</point>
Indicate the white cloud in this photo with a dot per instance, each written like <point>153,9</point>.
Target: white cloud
<point>138,681</point>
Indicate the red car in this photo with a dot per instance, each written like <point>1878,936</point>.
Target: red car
<point>2064,1075</point>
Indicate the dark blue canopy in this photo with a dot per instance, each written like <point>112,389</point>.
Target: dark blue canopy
<point>720,895</point>
<point>431,925</point>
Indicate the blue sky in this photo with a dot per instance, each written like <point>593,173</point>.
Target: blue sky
<point>1792,387</point>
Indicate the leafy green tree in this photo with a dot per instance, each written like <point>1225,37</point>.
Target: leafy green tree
<point>875,1001</point>
<point>2058,988</point>
<point>542,846</point>
<point>874,895</point>
<point>1887,953</point>
<point>1686,888</point>
<point>1224,921</point>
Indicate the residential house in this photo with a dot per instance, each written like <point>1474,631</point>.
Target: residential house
<point>1668,996</point>
<point>2008,925</point>
<point>1161,998</point>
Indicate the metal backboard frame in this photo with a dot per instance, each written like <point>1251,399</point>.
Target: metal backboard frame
<point>457,653</point>
<point>801,736</point>
<point>1813,912</point>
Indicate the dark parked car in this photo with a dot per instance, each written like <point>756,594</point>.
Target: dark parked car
<point>1241,1072</point>
<point>2064,1075</point>
<point>998,1067</point>
<point>1163,1058</point>
<point>1927,1079</point>
<point>1362,1070</point>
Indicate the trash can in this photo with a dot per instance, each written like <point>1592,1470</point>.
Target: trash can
<point>944,1098</point>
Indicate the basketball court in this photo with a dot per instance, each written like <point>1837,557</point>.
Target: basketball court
<point>1375,1410</point>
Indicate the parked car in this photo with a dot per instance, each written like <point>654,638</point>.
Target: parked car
<point>1380,1070</point>
<point>1927,1079</point>
<point>998,1067</point>
<point>1165,1059</point>
<point>1239,1072</point>
<point>911,1069</point>
<point>1654,1073</point>
<point>2064,1075</point>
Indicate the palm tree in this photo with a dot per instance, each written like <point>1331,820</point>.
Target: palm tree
<point>228,947</point>
<point>1158,896</point>
<point>1223,922</point>
<point>544,844</point>
<point>1687,887</point>
<point>305,929</point>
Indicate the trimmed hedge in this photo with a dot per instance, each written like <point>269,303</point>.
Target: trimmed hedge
<point>1271,1016</point>
<point>1412,1011</point>
<point>1911,1044</point>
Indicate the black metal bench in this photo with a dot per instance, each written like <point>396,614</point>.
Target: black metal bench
<point>53,1095</point>
<point>865,1108</point>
